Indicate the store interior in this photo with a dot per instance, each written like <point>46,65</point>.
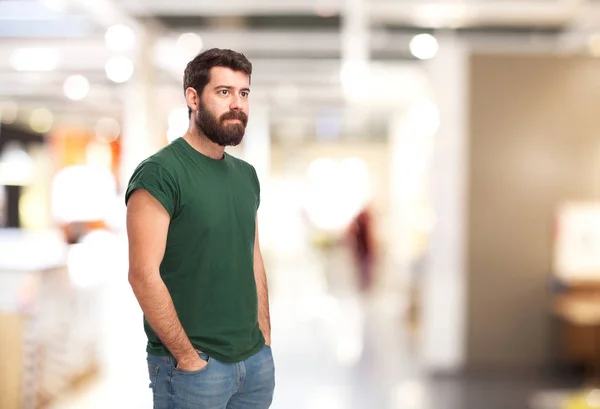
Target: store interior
<point>460,140</point>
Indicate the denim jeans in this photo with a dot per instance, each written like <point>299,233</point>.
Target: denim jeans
<point>244,385</point>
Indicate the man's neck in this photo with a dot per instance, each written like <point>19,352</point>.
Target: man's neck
<point>202,144</point>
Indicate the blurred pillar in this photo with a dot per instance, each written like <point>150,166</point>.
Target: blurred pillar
<point>443,295</point>
<point>409,144</point>
<point>143,132</point>
<point>355,31</point>
<point>257,142</point>
<point>355,50</point>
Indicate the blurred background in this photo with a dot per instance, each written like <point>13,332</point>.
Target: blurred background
<point>430,217</point>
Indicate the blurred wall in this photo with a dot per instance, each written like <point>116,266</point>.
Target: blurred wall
<point>534,142</point>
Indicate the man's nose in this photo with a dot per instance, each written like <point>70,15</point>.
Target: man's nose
<point>236,103</point>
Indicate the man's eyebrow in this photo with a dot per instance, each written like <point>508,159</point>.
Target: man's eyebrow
<point>229,87</point>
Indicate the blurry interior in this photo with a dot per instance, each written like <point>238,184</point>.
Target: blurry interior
<point>430,212</point>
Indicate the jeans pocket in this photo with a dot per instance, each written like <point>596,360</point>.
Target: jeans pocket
<point>153,374</point>
<point>202,356</point>
<point>184,372</point>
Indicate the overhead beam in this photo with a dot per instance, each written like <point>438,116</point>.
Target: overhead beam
<point>477,13</point>
<point>271,50</point>
<point>230,7</point>
<point>427,13</point>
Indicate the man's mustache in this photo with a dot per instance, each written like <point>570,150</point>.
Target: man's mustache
<point>235,115</point>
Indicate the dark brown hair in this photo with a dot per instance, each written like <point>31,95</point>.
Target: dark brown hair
<point>197,72</point>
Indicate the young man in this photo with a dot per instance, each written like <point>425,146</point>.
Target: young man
<point>195,264</point>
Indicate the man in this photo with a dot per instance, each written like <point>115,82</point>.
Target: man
<point>195,263</point>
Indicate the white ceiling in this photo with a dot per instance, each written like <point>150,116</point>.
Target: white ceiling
<point>295,45</point>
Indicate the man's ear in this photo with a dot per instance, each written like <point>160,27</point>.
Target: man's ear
<point>192,98</point>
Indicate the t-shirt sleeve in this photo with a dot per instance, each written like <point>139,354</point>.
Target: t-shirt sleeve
<point>257,186</point>
<point>157,181</point>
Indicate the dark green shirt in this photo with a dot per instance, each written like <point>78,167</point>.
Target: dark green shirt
<point>208,265</point>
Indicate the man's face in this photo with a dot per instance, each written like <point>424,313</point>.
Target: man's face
<point>222,113</point>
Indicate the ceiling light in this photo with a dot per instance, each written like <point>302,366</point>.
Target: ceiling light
<point>424,46</point>
<point>34,59</point>
<point>190,44</point>
<point>119,69</point>
<point>119,38</point>
<point>41,120</point>
<point>107,130</point>
<point>76,87</point>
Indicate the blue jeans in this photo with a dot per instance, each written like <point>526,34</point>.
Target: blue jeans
<point>244,385</point>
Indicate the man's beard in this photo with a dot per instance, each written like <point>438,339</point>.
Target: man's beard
<point>218,131</point>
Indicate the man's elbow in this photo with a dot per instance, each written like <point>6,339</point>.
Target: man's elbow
<point>138,278</point>
<point>133,279</point>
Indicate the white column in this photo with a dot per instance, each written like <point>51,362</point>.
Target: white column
<point>409,144</point>
<point>355,49</point>
<point>443,335</point>
<point>355,31</point>
<point>256,150</point>
<point>411,132</point>
<point>256,146</point>
<point>142,133</point>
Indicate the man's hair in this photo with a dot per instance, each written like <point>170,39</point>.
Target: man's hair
<point>197,72</point>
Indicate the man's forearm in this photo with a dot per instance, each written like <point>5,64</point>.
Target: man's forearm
<point>157,305</point>
<point>264,319</point>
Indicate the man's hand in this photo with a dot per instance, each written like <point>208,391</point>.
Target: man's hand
<point>191,364</point>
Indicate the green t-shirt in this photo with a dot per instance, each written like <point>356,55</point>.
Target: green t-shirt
<point>208,265</point>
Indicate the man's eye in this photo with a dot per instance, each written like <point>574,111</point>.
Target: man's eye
<point>224,92</point>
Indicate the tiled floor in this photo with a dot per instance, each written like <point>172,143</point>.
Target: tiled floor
<point>333,350</point>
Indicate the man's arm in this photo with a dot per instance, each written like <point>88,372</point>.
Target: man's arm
<point>147,227</point>
<point>264,319</point>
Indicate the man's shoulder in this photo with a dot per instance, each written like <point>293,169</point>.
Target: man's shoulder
<point>157,174</point>
<point>165,158</point>
<point>168,155</point>
<point>242,164</point>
